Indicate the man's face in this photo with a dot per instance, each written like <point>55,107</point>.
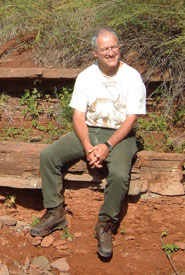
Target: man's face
<point>107,51</point>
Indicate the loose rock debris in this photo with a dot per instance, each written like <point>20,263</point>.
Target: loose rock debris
<point>137,245</point>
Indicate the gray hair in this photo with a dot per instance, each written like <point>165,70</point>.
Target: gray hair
<point>96,34</point>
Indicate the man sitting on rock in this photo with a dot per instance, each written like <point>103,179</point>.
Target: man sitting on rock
<point>108,97</point>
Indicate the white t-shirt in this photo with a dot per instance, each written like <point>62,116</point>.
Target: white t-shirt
<point>106,100</point>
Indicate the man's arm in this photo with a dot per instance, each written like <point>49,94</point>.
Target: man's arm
<point>82,132</point>
<point>125,128</point>
<point>81,129</point>
<point>102,151</point>
<point>97,154</point>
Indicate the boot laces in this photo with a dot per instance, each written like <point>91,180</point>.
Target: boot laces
<point>46,215</point>
<point>108,228</point>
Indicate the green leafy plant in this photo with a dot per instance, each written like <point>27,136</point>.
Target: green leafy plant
<point>35,221</point>
<point>179,116</point>
<point>169,248</point>
<point>31,102</point>
<point>153,122</point>
<point>3,98</point>
<point>66,234</point>
<point>64,112</point>
<point>10,201</point>
<point>65,98</point>
<point>122,231</point>
<point>12,132</point>
<point>164,234</point>
<point>25,133</point>
<point>61,113</point>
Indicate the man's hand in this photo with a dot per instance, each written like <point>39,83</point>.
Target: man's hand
<point>97,155</point>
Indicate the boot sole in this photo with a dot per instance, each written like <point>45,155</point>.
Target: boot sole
<point>60,226</point>
<point>104,254</point>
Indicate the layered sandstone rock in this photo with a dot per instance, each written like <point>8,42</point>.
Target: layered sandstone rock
<point>151,173</point>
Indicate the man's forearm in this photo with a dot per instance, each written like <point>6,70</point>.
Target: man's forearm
<point>81,129</point>
<point>123,130</point>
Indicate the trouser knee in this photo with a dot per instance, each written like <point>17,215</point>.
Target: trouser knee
<point>118,182</point>
<point>44,155</point>
<point>119,177</point>
<point>47,157</point>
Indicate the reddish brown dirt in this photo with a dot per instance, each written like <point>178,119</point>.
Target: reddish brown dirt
<point>12,56</point>
<point>138,251</point>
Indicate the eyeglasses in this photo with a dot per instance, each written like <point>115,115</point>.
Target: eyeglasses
<point>106,50</point>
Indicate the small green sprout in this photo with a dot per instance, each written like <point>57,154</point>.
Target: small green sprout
<point>164,234</point>
<point>170,248</point>
<point>66,234</point>
<point>10,201</point>
<point>35,221</point>
<point>122,231</point>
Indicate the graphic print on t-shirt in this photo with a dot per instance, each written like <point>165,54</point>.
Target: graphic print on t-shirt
<point>109,109</point>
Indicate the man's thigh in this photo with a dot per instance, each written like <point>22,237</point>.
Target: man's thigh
<point>66,149</point>
<point>120,159</point>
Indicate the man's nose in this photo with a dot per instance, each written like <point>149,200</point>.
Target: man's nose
<point>110,51</point>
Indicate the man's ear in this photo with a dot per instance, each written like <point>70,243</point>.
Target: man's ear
<point>94,52</point>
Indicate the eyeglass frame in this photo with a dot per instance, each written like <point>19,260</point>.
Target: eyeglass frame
<point>106,50</point>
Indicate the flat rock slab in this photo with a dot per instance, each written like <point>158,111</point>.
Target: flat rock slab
<point>152,172</point>
<point>8,220</point>
<point>45,73</point>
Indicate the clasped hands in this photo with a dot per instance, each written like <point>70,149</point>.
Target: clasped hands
<point>96,155</point>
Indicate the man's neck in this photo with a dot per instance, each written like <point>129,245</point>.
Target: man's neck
<point>110,71</point>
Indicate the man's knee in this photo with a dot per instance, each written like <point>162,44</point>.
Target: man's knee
<point>45,154</point>
<point>119,175</point>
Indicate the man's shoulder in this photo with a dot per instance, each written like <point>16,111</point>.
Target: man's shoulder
<point>129,74</point>
<point>92,69</point>
<point>129,69</point>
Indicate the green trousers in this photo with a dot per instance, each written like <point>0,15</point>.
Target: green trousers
<point>56,158</point>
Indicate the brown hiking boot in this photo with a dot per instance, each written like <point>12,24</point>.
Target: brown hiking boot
<point>103,233</point>
<point>52,220</point>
